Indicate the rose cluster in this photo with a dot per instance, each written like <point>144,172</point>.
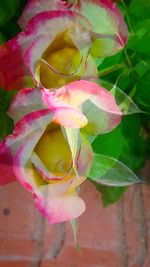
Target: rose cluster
<point>61,105</point>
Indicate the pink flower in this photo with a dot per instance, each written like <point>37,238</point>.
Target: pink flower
<point>58,44</point>
<point>49,150</point>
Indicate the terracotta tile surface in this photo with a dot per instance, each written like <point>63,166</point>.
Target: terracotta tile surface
<point>117,236</point>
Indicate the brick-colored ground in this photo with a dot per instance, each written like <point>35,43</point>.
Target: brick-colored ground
<point>117,236</point>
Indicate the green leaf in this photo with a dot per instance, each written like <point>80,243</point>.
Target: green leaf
<point>11,11</point>
<point>109,171</point>
<point>7,10</point>
<point>111,144</point>
<point>125,143</point>
<point>142,95</point>
<point>6,98</point>
<point>110,64</point>
<point>2,38</point>
<point>140,40</point>
<point>125,102</point>
<point>142,67</point>
<point>140,8</point>
<point>11,28</point>
<point>109,194</point>
<point>6,125</point>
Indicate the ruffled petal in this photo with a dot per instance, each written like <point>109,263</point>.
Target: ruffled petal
<point>52,200</point>
<point>43,171</point>
<point>34,7</point>
<point>25,102</point>
<point>42,31</point>
<point>30,125</point>
<point>26,50</point>
<point>69,117</point>
<point>99,28</point>
<point>11,145</point>
<point>61,208</point>
<point>108,28</point>
<point>100,109</point>
<point>65,114</point>
<point>23,167</point>
<point>122,26</point>
<point>96,103</point>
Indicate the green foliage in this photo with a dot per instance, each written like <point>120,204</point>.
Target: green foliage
<point>109,194</point>
<point>110,171</point>
<point>7,10</point>
<point>9,13</point>
<point>140,9</point>
<point>124,143</point>
<point>142,96</point>
<point>140,41</point>
<point>129,70</point>
<point>6,123</point>
<point>2,38</point>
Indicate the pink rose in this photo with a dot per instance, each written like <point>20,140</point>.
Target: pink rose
<point>58,45</point>
<point>49,149</point>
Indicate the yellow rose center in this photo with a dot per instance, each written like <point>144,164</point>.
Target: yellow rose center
<point>54,152</point>
<point>60,64</point>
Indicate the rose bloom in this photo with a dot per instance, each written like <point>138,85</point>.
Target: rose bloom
<point>49,150</point>
<point>59,42</point>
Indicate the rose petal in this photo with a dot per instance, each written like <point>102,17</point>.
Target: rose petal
<point>61,208</point>
<point>40,167</point>
<point>28,47</point>
<point>28,126</point>
<point>69,117</point>
<point>44,28</point>
<point>25,102</point>
<point>23,168</point>
<point>96,103</point>
<point>34,7</point>
<point>108,28</point>
<point>54,189</point>
<point>55,207</point>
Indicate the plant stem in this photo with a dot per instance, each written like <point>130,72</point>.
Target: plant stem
<point>111,69</point>
<point>128,59</point>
